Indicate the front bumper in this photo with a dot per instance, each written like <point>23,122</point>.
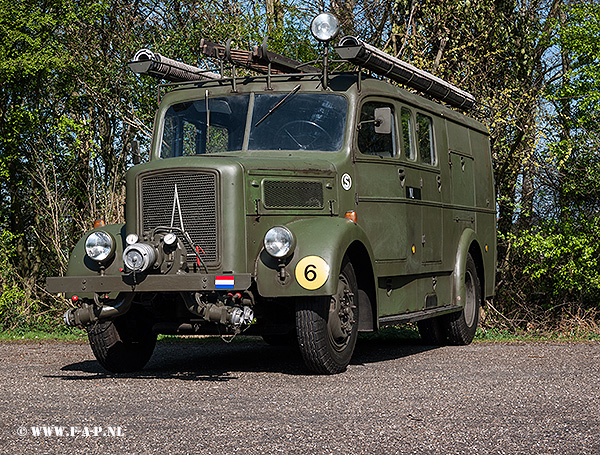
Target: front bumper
<point>149,283</point>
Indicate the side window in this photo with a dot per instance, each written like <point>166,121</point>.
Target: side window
<point>370,140</point>
<point>407,134</point>
<point>425,139</point>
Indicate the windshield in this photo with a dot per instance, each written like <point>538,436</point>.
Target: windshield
<point>283,121</point>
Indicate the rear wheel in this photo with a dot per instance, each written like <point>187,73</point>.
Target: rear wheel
<point>327,327</point>
<point>124,344</point>
<point>463,325</point>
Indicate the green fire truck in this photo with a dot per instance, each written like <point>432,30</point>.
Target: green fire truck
<point>299,204</point>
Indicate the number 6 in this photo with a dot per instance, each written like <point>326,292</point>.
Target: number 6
<point>309,272</point>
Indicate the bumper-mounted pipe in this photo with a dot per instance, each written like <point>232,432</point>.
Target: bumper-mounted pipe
<point>91,313</point>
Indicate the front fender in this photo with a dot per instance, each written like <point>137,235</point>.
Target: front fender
<point>325,238</point>
<point>81,265</point>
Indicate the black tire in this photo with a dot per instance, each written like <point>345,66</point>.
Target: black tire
<point>327,327</point>
<point>433,331</point>
<point>124,344</point>
<point>463,325</point>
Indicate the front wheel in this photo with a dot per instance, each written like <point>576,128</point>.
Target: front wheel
<point>327,327</point>
<point>124,344</point>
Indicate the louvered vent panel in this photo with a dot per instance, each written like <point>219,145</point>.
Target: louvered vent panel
<point>289,194</point>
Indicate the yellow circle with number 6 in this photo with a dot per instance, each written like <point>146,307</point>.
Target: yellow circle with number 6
<point>312,272</point>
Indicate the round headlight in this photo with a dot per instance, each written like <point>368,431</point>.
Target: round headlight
<point>99,246</point>
<point>279,242</point>
<point>139,257</point>
<point>325,27</point>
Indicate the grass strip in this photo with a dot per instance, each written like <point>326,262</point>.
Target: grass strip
<point>405,333</point>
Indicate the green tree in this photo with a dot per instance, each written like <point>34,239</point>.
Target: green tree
<point>559,257</point>
<point>70,109</point>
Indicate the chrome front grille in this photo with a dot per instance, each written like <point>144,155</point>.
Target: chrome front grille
<point>197,197</point>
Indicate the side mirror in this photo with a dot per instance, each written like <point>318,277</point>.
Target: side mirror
<point>135,152</point>
<point>383,120</point>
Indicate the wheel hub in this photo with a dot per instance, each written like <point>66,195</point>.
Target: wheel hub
<point>470,304</point>
<point>341,313</point>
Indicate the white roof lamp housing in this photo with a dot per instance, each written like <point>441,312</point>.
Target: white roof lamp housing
<point>325,27</point>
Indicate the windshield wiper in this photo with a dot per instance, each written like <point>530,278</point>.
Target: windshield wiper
<point>294,90</point>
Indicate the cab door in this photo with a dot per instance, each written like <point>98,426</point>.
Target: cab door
<point>380,186</point>
<point>382,178</point>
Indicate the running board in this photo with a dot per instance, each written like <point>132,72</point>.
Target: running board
<point>418,315</point>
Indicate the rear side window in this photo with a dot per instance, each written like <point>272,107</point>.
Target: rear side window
<point>425,139</point>
<point>370,141</point>
<point>407,134</point>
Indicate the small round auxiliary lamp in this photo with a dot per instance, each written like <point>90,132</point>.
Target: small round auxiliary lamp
<point>325,27</point>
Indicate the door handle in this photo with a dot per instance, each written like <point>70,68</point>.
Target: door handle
<point>401,176</point>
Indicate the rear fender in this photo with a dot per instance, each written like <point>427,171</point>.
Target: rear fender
<point>468,241</point>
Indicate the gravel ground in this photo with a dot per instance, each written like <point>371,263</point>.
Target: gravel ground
<point>251,398</point>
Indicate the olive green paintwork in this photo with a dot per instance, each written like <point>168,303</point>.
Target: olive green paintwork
<point>81,265</point>
<point>326,237</point>
<point>404,250</point>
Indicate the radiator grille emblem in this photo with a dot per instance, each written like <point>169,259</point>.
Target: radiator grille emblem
<point>178,204</point>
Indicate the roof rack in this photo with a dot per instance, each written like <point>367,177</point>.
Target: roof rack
<point>366,56</point>
<point>264,61</point>
<point>260,59</point>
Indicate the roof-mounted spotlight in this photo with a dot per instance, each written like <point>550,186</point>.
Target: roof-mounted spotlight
<point>325,27</point>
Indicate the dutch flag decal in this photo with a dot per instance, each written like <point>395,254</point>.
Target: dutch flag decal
<point>224,282</point>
